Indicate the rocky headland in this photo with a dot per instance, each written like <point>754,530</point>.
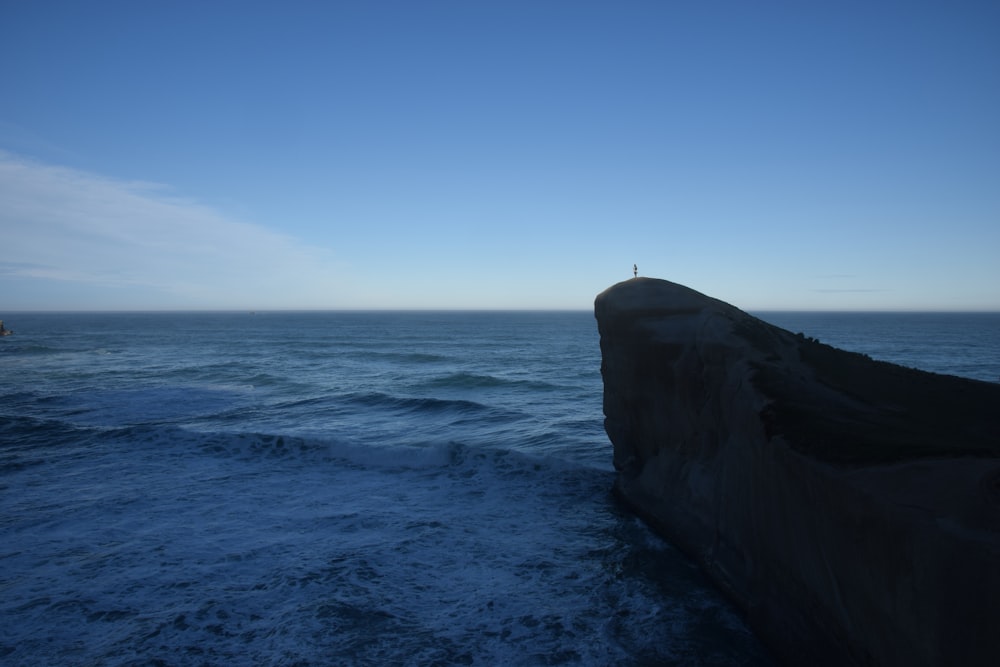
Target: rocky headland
<point>849,506</point>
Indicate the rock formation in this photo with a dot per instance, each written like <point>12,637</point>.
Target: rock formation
<point>850,507</point>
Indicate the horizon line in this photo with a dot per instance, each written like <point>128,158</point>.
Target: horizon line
<point>251,311</point>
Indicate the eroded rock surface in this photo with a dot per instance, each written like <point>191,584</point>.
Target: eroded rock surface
<point>851,507</point>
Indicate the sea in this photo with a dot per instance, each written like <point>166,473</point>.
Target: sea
<point>353,488</point>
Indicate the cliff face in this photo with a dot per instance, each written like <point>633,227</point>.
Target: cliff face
<point>850,507</point>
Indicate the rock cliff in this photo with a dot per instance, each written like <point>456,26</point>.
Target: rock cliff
<point>850,507</point>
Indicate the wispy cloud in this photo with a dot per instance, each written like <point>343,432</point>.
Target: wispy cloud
<point>66,225</point>
<point>860,290</point>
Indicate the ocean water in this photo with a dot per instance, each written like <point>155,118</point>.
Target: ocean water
<point>963,344</point>
<point>346,488</point>
<point>325,489</point>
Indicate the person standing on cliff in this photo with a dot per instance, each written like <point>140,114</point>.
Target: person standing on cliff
<point>635,271</point>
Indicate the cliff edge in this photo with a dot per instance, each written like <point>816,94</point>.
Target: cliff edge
<point>850,507</point>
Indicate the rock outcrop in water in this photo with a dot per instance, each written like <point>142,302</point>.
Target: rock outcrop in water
<point>850,507</point>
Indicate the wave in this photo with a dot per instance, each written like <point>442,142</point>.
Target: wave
<point>171,404</point>
<point>363,351</point>
<point>464,380</point>
<point>417,404</point>
<point>29,441</point>
<point>39,349</point>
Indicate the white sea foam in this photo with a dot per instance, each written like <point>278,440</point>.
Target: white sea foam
<point>270,549</point>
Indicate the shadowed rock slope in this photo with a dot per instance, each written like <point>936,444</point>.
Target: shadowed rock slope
<point>851,507</point>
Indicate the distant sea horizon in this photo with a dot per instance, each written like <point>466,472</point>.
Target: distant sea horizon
<point>751,311</point>
<point>956,342</point>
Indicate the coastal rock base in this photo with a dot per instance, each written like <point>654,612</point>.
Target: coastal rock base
<point>850,507</point>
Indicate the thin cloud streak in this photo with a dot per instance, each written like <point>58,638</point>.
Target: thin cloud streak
<point>849,291</point>
<point>66,225</point>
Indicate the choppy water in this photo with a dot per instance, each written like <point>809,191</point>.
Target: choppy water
<point>331,488</point>
<point>327,488</point>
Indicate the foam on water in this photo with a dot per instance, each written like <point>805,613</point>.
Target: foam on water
<point>255,548</point>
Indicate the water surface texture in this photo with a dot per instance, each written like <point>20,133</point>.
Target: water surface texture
<point>327,488</point>
<point>341,488</point>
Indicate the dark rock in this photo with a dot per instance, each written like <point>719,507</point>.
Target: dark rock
<point>850,507</point>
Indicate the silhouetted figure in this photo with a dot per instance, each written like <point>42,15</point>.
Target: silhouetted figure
<point>635,271</point>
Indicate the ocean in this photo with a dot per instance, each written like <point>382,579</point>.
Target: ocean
<point>352,488</point>
<point>962,344</point>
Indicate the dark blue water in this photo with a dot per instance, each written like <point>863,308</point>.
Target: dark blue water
<point>342,488</point>
<point>335,488</point>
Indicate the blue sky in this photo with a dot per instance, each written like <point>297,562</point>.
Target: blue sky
<point>776,155</point>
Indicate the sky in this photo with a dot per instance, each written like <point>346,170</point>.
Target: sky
<point>498,154</point>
